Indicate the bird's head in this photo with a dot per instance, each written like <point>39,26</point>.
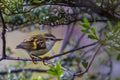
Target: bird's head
<point>50,40</point>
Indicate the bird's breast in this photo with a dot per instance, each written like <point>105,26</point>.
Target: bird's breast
<point>39,52</point>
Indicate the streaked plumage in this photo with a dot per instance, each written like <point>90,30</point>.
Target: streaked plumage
<point>38,44</point>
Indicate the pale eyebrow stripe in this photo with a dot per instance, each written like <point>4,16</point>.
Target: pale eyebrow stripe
<point>49,35</point>
<point>50,38</point>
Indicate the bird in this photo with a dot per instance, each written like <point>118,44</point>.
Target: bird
<point>38,45</point>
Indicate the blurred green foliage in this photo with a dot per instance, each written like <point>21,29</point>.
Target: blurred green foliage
<point>55,70</point>
<point>20,12</point>
<point>16,76</point>
<point>39,78</point>
<point>84,63</point>
<point>118,57</point>
<point>117,79</point>
<point>90,31</point>
<point>111,36</point>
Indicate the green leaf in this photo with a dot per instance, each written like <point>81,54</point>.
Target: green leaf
<point>118,57</point>
<point>106,34</point>
<point>40,78</point>
<point>116,29</point>
<point>110,25</point>
<point>58,65</point>
<point>93,30</point>
<point>85,31</point>
<point>85,64</point>
<point>58,68</point>
<point>55,70</point>
<point>85,20</point>
<point>79,23</point>
<point>85,25</point>
<point>92,36</point>
<point>51,72</point>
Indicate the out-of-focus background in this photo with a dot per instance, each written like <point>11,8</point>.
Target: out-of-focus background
<point>90,29</point>
<point>16,37</point>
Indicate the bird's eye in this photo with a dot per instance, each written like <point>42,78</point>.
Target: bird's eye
<point>51,39</point>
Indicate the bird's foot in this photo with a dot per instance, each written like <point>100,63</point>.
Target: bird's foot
<point>33,59</point>
<point>43,59</point>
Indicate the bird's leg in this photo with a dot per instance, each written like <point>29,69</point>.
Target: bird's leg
<point>33,59</point>
<point>43,59</point>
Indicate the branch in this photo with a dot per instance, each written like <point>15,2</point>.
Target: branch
<point>69,31</point>
<point>87,4</point>
<point>20,70</point>
<point>85,46</point>
<point>89,65</point>
<point>3,36</point>
<point>57,55</point>
<point>110,65</point>
<point>58,24</point>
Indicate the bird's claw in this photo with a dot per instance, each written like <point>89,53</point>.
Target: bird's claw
<point>33,59</point>
<point>43,59</point>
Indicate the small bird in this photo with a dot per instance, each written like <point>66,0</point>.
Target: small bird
<point>38,45</point>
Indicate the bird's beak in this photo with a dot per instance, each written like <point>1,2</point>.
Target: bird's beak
<point>58,39</point>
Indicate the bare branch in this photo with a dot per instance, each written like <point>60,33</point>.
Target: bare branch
<point>89,65</point>
<point>69,31</point>
<point>20,70</point>
<point>3,36</point>
<point>85,46</point>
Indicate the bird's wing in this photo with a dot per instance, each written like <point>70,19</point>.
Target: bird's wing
<point>41,44</point>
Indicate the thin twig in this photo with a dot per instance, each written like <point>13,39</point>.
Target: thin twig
<point>20,70</point>
<point>89,65</point>
<point>85,46</point>
<point>79,40</point>
<point>31,70</point>
<point>64,40</point>
<point>3,36</point>
<point>85,53</point>
<point>110,63</point>
<point>69,31</point>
